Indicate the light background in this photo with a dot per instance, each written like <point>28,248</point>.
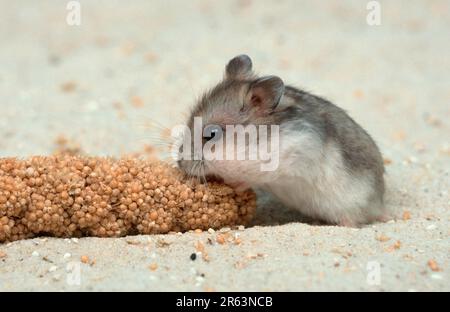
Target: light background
<point>393,79</point>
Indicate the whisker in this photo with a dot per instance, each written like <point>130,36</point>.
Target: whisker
<point>204,174</point>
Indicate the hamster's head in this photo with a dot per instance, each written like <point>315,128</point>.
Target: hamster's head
<point>236,106</point>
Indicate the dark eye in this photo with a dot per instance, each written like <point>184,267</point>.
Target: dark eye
<point>212,132</point>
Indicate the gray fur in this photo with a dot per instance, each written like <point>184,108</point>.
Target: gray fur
<point>328,156</point>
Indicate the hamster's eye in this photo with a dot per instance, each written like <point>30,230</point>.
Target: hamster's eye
<point>212,132</point>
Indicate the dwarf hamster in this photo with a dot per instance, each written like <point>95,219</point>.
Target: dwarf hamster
<point>329,167</point>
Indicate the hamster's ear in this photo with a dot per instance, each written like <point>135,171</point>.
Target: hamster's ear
<point>265,93</point>
<point>239,67</point>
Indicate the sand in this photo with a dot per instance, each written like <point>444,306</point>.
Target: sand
<point>113,83</point>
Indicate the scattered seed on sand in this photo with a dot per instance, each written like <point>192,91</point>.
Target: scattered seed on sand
<point>240,264</point>
<point>433,120</point>
<point>127,48</point>
<point>199,246</point>
<point>211,231</point>
<point>35,254</point>
<point>399,135</point>
<point>430,217</point>
<point>358,93</point>
<point>432,264</point>
<point>395,246</point>
<point>84,259</point>
<point>133,242</point>
<point>137,101</point>
<point>161,243</point>
<point>406,215</point>
<point>151,57</point>
<point>46,259</point>
<point>408,257</point>
<point>153,267</point>
<point>53,268</point>
<point>67,255</point>
<point>193,256</point>
<point>387,161</point>
<point>345,254</point>
<point>382,238</point>
<point>256,256</point>
<point>220,239</point>
<point>2,254</point>
<point>68,86</point>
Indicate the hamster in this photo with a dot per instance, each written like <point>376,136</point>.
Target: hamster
<point>329,168</point>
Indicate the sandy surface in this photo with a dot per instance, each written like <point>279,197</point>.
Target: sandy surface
<point>106,83</point>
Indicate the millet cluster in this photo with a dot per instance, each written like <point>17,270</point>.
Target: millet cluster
<point>72,196</point>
